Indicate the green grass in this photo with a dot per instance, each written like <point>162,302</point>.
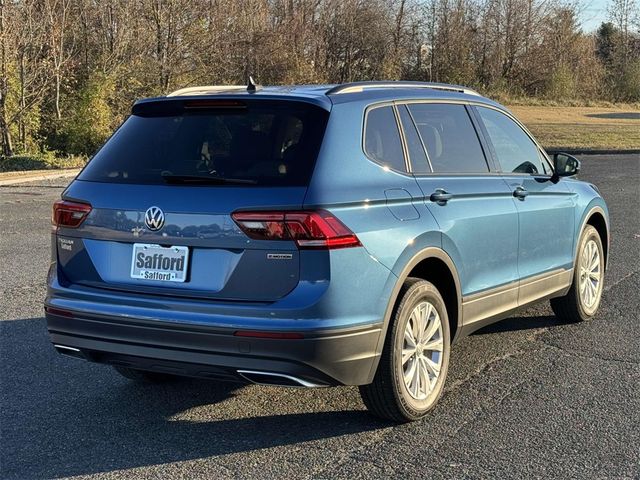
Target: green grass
<point>46,161</point>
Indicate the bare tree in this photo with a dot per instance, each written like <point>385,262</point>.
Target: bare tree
<point>7,147</point>
<point>57,13</point>
<point>624,14</point>
<point>58,55</point>
<point>32,64</point>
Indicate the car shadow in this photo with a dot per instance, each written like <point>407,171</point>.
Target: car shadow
<point>63,417</point>
<point>522,323</point>
<point>616,115</point>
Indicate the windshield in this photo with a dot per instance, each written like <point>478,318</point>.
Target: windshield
<point>274,144</point>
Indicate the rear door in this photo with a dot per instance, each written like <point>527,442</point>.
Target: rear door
<point>185,166</point>
<point>471,204</point>
<point>545,208</point>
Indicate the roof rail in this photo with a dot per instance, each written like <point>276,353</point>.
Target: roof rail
<point>356,87</point>
<point>206,90</point>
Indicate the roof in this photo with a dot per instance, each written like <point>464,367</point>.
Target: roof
<point>325,96</point>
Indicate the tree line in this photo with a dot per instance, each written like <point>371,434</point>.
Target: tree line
<point>70,69</point>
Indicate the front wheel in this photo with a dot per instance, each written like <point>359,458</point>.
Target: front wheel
<point>415,358</point>
<point>583,299</point>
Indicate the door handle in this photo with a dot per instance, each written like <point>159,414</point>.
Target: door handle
<point>440,196</point>
<point>520,192</point>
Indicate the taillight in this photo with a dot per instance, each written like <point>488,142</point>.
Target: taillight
<point>316,229</point>
<point>69,214</point>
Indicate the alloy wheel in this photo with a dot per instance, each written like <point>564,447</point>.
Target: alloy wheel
<point>422,350</point>
<point>590,275</point>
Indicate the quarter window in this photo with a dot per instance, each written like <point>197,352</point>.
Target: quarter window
<point>449,137</point>
<point>382,138</point>
<point>514,149</point>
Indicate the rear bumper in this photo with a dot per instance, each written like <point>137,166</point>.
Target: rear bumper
<point>338,357</point>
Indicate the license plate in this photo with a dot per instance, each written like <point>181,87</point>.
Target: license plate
<point>165,264</point>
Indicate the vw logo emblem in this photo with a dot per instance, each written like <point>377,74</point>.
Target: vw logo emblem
<point>154,218</point>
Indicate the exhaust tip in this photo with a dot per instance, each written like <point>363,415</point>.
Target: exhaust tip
<point>276,379</point>
<point>69,351</point>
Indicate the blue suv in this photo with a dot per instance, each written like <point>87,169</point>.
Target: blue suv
<point>317,235</point>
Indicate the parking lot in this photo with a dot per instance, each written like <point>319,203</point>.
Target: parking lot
<point>527,397</point>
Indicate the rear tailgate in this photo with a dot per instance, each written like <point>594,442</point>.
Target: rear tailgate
<point>259,157</point>
<point>222,261</point>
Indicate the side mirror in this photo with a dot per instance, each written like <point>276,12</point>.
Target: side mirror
<point>565,165</point>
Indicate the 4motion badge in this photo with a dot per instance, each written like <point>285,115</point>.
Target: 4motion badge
<point>279,256</point>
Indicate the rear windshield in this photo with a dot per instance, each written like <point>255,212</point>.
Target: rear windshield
<point>264,144</point>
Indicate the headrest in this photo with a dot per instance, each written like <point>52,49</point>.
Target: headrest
<point>432,139</point>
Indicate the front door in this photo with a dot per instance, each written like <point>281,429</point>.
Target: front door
<point>545,208</point>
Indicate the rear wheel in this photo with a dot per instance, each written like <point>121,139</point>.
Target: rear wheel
<point>583,299</point>
<point>413,367</point>
<point>143,376</point>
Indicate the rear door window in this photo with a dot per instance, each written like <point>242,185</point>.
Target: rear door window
<point>449,137</point>
<point>259,143</point>
<point>382,138</point>
<point>514,149</point>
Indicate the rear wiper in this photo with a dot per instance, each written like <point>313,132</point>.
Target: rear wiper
<point>206,180</point>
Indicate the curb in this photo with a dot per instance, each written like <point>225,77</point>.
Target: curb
<point>12,178</point>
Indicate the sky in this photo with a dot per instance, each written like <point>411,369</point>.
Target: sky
<point>593,13</point>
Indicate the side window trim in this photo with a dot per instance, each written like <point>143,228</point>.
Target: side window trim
<point>403,139</point>
<point>367,110</point>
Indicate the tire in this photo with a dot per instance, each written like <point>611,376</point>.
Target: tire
<point>389,396</point>
<point>576,305</point>
<point>142,376</point>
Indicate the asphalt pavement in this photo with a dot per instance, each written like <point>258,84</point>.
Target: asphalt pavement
<point>529,397</point>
